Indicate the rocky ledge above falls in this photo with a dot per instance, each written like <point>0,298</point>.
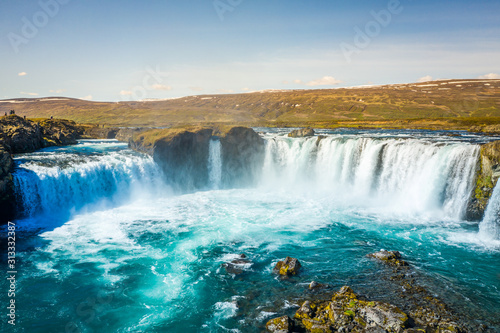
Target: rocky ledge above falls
<point>183,153</point>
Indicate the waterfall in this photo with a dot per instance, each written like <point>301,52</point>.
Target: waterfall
<point>408,175</point>
<point>63,183</point>
<point>489,228</point>
<point>214,163</point>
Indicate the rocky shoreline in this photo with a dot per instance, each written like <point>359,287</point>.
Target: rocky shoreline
<point>418,310</point>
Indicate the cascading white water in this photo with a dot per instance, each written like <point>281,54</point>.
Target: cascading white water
<point>214,164</point>
<point>489,228</point>
<point>406,174</point>
<point>70,183</point>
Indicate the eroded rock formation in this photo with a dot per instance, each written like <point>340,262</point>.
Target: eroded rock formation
<point>183,154</point>
<point>486,178</point>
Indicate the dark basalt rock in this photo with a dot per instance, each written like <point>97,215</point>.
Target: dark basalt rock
<point>184,159</point>
<point>7,202</point>
<point>243,152</point>
<point>19,135</point>
<point>183,155</point>
<point>301,133</point>
<point>60,132</point>
<point>289,266</point>
<point>237,266</point>
<point>392,258</point>
<point>317,286</point>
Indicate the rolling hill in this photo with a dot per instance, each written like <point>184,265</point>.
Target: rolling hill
<point>436,104</point>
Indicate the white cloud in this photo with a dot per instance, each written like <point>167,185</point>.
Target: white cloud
<point>285,82</point>
<point>161,87</point>
<point>88,97</point>
<point>425,78</point>
<point>22,74</point>
<point>57,91</point>
<point>29,93</point>
<point>324,81</point>
<point>491,76</point>
<point>245,89</point>
<point>297,81</point>
<point>196,88</point>
<point>126,93</point>
<point>225,91</point>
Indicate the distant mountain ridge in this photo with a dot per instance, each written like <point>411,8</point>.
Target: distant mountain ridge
<point>465,102</point>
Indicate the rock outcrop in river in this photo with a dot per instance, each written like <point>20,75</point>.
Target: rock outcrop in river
<point>417,310</point>
<point>183,154</point>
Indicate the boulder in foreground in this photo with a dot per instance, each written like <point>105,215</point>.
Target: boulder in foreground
<point>289,266</point>
<point>392,258</point>
<point>280,325</point>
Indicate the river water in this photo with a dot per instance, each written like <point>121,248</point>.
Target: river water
<point>104,244</point>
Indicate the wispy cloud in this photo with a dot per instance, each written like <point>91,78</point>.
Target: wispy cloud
<point>161,87</point>
<point>22,74</point>
<point>88,97</point>
<point>28,93</point>
<point>57,91</point>
<point>490,76</point>
<point>425,78</point>
<point>126,93</point>
<point>324,81</point>
<point>196,88</point>
<point>225,91</point>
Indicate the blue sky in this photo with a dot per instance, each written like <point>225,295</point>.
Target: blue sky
<point>118,50</point>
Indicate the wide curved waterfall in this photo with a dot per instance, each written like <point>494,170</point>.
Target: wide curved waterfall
<point>52,183</point>
<point>105,244</point>
<point>405,174</point>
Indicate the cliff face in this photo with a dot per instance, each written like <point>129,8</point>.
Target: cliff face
<point>6,193</point>
<point>183,155</point>
<point>487,176</point>
<point>242,157</point>
<point>18,135</point>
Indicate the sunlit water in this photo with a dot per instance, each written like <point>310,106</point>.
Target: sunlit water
<point>105,246</point>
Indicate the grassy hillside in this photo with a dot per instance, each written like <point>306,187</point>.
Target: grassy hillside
<point>437,104</point>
